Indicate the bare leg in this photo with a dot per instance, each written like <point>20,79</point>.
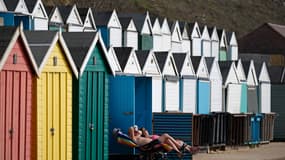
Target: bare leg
<point>165,139</point>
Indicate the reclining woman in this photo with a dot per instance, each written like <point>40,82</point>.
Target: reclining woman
<point>178,143</point>
<point>143,139</point>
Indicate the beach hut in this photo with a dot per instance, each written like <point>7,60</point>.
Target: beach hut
<point>87,18</point>
<point>216,81</point>
<point>195,32</point>
<point>231,87</point>
<point>278,99</point>
<point>55,22</point>
<point>53,96</point>
<point>144,28</point>
<point>148,88</point>
<point>205,42</point>
<point>232,46</point>
<point>170,82</point>
<point>156,33</point>
<point>214,42</point>
<point>264,96</point>
<point>17,71</point>
<point>243,81</point>
<point>109,25</point>
<point>71,18</point>
<point>176,38</point>
<point>223,45</point>
<point>6,18</point>
<point>186,42</point>
<point>188,82</point>
<point>166,35</point>
<point>203,84</point>
<point>37,10</point>
<point>252,86</point>
<point>122,97</point>
<point>17,12</point>
<point>90,95</point>
<point>130,33</point>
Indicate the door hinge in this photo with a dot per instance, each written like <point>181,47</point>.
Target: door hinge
<point>91,126</point>
<point>52,130</point>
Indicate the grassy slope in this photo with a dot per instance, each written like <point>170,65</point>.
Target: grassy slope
<point>240,16</point>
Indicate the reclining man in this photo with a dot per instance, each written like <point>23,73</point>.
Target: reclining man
<point>144,138</point>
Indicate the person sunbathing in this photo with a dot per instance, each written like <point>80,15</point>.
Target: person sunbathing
<point>170,140</point>
<point>142,137</point>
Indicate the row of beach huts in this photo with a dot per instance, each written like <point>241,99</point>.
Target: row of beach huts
<point>69,75</point>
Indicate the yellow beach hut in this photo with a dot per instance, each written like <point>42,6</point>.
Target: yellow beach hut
<point>54,95</point>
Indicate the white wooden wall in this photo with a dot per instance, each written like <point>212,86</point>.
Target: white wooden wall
<point>215,49</point>
<point>166,42</point>
<point>171,96</point>
<point>115,35</point>
<point>156,94</point>
<point>157,38</point>
<point>72,28</point>
<point>233,98</point>
<point>196,47</point>
<point>186,45</point>
<point>216,95</point>
<point>234,53</point>
<point>176,46</point>
<point>40,24</point>
<point>206,48</point>
<point>265,98</point>
<point>189,93</point>
<point>131,39</point>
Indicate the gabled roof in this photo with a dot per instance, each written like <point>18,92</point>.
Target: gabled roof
<point>161,59</point>
<point>50,10</point>
<point>81,46</point>
<point>11,4</point>
<point>8,38</point>
<point>123,55</point>
<point>125,21</point>
<point>278,28</point>
<point>138,18</point>
<point>262,72</point>
<point>65,11</point>
<point>42,43</point>
<point>31,4</point>
<point>229,36</point>
<point>192,30</point>
<point>258,68</point>
<point>225,67</point>
<point>147,61</point>
<point>277,74</point>
<point>179,60</point>
<point>196,62</point>
<point>142,56</point>
<point>164,57</point>
<point>85,15</point>
<point>209,62</point>
<point>102,18</point>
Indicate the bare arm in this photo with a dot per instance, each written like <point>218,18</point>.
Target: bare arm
<point>132,133</point>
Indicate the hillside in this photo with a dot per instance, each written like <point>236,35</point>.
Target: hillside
<point>240,16</point>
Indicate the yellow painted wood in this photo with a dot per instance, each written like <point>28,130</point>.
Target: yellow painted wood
<point>54,108</point>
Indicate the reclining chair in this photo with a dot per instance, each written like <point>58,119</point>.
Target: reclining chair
<point>152,151</point>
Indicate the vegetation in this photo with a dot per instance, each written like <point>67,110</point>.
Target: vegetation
<point>240,16</point>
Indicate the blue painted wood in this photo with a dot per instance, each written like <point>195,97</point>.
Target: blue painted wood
<point>181,83</point>
<point>121,110</point>
<point>178,125</point>
<point>27,21</point>
<point>203,97</point>
<point>8,18</point>
<point>143,109</point>
<point>105,35</point>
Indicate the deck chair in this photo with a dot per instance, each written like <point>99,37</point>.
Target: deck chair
<point>151,151</point>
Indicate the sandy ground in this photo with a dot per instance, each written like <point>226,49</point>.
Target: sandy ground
<point>272,151</point>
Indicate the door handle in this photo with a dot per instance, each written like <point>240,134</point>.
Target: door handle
<point>52,130</point>
<point>91,126</point>
<point>11,131</point>
<point>128,113</point>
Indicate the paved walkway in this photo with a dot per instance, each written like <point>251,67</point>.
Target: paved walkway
<point>272,151</point>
